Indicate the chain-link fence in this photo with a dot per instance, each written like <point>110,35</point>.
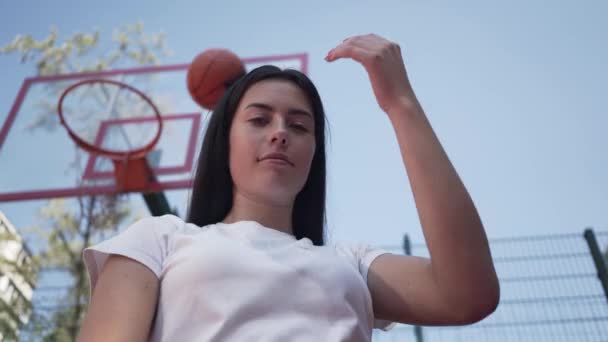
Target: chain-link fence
<point>551,290</point>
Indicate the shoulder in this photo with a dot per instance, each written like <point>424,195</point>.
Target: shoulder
<point>147,237</point>
<point>359,255</point>
<point>359,252</point>
<point>166,223</point>
<point>147,241</point>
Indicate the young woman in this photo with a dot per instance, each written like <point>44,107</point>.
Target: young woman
<point>250,263</point>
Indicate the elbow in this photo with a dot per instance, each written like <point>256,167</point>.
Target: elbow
<point>479,312</point>
<point>482,305</point>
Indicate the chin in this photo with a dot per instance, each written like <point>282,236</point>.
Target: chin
<point>273,193</point>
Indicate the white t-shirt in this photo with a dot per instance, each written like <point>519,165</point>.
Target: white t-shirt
<point>246,282</point>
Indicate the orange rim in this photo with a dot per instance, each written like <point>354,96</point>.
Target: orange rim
<point>112,154</point>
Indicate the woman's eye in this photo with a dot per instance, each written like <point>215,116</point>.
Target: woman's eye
<point>259,121</point>
<point>299,127</point>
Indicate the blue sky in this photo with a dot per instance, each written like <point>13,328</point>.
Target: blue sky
<point>513,89</point>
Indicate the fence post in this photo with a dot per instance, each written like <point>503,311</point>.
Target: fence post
<point>598,259</point>
<point>407,249</point>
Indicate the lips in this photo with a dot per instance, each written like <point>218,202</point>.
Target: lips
<point>277,156</point>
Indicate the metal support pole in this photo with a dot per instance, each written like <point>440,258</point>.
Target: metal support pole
<point>407,249</point>
<point>598,259</point>
<point>157,203</point>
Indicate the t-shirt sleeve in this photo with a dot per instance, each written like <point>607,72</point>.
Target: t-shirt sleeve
<point>363,255</point>
<point>145,241</point>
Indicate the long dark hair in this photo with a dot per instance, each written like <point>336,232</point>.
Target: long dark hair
<point>212,192</point>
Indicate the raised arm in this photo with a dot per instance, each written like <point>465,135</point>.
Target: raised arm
<point>458,284</point>
<point>123,303</point>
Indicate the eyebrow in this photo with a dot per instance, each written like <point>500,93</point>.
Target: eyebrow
<point>291,111</point>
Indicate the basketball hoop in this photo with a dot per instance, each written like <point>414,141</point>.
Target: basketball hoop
<point>131,169</point>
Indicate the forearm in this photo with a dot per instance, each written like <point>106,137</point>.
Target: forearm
<point>460,257</point>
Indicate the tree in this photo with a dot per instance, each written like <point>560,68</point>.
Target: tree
<point>18,274</point>
<point>83,52</point>
<point>69,227</point>
<point>68,231</point>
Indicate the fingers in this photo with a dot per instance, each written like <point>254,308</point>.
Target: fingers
<point>360,48</point>
<point>365,39</point>
<point>348,50</point>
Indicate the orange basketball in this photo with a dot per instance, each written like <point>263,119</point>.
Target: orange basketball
<point>209,75</point>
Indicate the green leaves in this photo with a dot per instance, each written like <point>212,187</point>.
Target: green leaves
<point>85,51</point>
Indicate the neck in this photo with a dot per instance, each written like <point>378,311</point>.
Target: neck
<point>267,214</point>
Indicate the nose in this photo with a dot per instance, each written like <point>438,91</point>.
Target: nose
<point>279,137</point>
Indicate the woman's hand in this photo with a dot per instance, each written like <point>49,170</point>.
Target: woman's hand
<point>384,65</point>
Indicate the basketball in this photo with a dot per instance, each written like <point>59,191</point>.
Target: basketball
<point>210,73</point>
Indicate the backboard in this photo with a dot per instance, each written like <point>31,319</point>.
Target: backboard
<point>39,160</point>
